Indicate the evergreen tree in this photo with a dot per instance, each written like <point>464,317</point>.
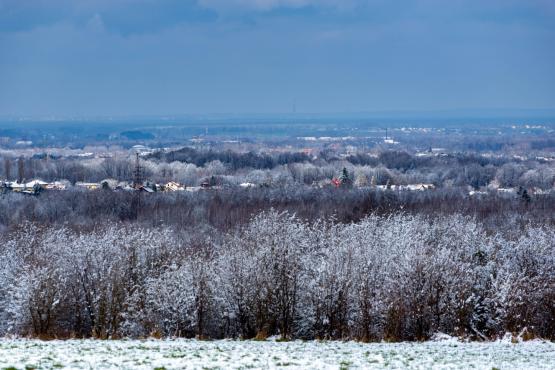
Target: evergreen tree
<point>524,194</point>
<point>345,178</point>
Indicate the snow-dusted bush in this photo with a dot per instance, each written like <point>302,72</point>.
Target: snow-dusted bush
<point>397,277</point>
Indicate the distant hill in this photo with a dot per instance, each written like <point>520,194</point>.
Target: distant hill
<point>137,135</point>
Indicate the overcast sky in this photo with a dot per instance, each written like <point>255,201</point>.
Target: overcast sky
<point>137,57</point>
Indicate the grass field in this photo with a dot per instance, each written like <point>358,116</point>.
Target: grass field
<point>229,354</point>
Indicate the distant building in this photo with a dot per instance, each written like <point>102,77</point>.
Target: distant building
<point>24,143</point>
<point>410,187</point>
<point>88,185</point>
<point>31,187</point>
<point>145,189</point>
<point>56,185</point>
<point>173,186</point>
<point>390,141</point>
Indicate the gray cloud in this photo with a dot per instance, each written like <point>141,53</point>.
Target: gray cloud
<point>264,5</point>
<point>148,56</point>
<point>144,16</point>
<point>122,16</point>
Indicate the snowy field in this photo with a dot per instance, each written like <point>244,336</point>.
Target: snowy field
<point>228,354</point>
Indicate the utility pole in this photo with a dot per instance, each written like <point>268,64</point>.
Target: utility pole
<point>137,183</point>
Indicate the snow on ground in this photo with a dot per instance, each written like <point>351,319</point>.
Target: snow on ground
<point>229,354</point>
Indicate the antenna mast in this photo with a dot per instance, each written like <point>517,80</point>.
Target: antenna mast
<point>137,173</point>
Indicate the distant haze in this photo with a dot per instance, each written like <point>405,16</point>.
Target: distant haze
<point>147,57</point>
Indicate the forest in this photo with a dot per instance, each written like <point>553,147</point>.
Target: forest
<point>192,166</point>
<point>293,254</point>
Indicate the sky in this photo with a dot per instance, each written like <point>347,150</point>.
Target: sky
<point>168,57</point>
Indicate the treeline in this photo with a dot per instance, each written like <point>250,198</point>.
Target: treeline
<point>397,277</point>
<point>396,168</point>
<point>224,209</point>
<point>231,159</point>
<point>192,167</point>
